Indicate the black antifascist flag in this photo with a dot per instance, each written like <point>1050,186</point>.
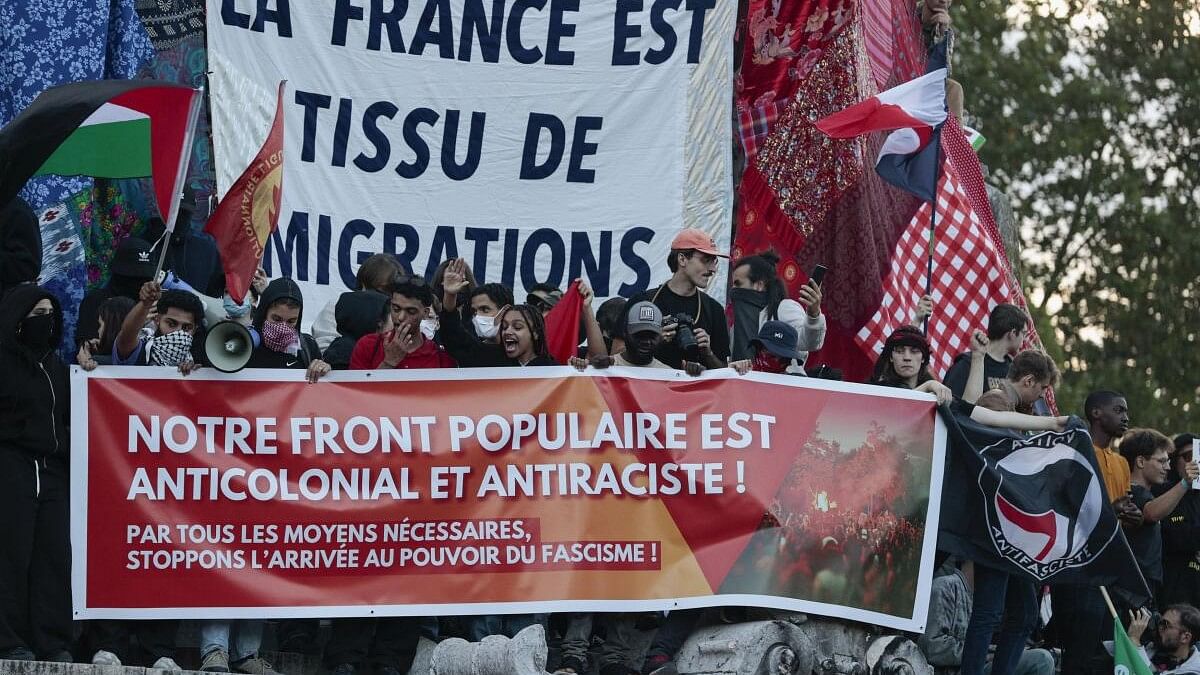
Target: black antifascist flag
<point>1033,505</point>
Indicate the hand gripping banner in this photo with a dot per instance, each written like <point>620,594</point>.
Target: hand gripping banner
<point>499,490</point>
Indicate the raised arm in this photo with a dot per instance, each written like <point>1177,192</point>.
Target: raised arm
<point>974,388</point>
<point>131,327</point>
<point>595,337</point>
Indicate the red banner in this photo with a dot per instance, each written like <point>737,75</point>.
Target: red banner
<point>499,490</point>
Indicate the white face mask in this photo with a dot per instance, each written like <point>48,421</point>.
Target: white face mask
<point>485,326</point>
<point>429,328</point>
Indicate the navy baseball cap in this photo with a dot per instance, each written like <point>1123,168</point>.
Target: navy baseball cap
<point>778,338</point>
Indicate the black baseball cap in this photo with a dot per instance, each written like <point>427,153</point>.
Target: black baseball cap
<point>133,258</point>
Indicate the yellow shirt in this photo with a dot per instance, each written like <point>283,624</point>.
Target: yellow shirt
<point>1114,470</point>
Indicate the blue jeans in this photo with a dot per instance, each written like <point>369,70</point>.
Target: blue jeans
<point>1005,602</point>
<point>247,637</point>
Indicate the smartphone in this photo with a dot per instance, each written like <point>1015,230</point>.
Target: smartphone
<point>818,274</point>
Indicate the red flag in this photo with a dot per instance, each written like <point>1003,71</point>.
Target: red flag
<point>562,325</point>
<point>249,212</point>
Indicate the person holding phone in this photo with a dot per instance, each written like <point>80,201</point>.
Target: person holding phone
<point>759,295</point>
<point>1181,532</point>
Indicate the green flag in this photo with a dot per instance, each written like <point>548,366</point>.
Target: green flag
<point>1125,654</point>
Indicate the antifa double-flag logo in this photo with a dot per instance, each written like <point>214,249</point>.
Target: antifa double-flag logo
<point>1044,503</point>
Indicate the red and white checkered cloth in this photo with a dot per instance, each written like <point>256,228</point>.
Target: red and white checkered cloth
<point>754,123</point>
<point>970,277</point>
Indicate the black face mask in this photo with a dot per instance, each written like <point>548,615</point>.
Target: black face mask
<point>747,305</point>
<point>35,331</point>
<point>748,296</point>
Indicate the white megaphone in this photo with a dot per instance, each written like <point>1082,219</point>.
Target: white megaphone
<point>229,346</point>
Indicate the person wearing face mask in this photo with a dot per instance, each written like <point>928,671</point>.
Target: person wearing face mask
<point>277,320</point>
<point>430,324</point>
<point>773,351</point>
<point>904,363</point>
<point>132,265</point>
<point>758,295</point>
<point>404,344</point>
<point>233,645</point>
<point>35,554</point>
<point>192,254</point>
<point>643,335</point>
<point>475,345</point>
<point>179,315</point>
<point>485,302</point>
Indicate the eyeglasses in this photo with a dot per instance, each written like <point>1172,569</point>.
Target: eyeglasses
<point>1185,456</point>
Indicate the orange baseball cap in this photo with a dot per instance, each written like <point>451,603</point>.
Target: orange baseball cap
<point>696,239</point>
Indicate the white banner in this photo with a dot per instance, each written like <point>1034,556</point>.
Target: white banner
<point>542,140</point>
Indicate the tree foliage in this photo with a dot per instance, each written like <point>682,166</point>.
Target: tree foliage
<point>1092,113</point>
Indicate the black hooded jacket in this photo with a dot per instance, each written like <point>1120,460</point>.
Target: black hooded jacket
<point>35,391</point>
<point>20,245</point>
<point>358,313</point>
<point>280,289</point>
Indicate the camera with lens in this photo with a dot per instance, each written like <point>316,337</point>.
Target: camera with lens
<point>685,337</point>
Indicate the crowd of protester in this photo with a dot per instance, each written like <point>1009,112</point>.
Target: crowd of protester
<point>394,319</point>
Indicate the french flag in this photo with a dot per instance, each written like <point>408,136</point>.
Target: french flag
<point>914,112</point>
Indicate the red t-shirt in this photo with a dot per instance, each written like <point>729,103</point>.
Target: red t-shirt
<point>369,353</point>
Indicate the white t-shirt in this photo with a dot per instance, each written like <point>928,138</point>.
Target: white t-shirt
<point>620,360</point>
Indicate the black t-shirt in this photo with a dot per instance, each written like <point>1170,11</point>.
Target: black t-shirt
<point>263,357</point>
<point>1146,540</point>
<point>705,312</point>
<point>994,373</point>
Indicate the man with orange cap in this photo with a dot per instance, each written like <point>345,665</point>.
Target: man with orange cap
<point>694,324</point>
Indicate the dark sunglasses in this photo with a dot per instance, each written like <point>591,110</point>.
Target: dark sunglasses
<point>542,304</point>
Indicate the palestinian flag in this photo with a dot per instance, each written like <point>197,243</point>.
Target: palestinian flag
<point>975,138</point>
<point>107,129</point>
